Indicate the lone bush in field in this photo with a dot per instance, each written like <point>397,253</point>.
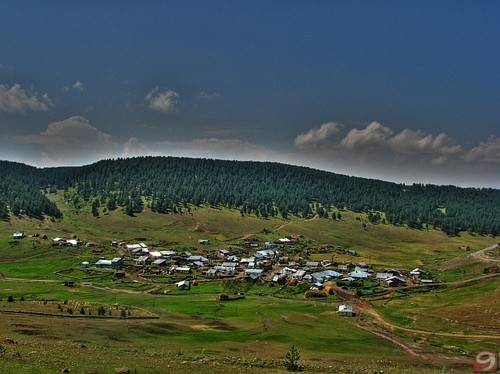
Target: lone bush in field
<point>292,358</point>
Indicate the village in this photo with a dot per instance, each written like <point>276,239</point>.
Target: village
<point>283,262</point>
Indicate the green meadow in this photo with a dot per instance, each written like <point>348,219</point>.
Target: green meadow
<point>169,330</point>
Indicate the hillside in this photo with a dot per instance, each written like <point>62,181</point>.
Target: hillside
<point>174,185</point>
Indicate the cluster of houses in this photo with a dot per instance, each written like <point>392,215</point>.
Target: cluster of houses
<point>262,261</point>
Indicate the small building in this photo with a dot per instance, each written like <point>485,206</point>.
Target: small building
<point>223,253</point>
<point>84,264</point>
<point>18,235</point>
<point>312,264</point>
<point>167,254</point>
<point>265,254</point>
<point>417,272</point>
<point>197,259</point>
<point>346,310</point>
<point>382,276</point>
<point>395,281</point>
<point>211,273</point>
<point>159,262</point>
<point>357,274</point>
<point>117,263</point>
<point>253,273</point>
<point>142,260</point>
<point>203,241</point>
<point>103,264</point>
<point>184,285</point>
<point>180,269</point>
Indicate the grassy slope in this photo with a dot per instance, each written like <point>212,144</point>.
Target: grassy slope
<point>198,327</point>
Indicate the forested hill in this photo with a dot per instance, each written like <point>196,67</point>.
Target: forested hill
<point>174,185</point>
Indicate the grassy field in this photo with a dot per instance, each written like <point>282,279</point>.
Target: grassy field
<point>172,331</point>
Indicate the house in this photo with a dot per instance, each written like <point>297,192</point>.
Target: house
<point>184,285</point>
<point>211,273</point>
<point>103,264</point>
<point>343,267</point>
<point>142,260</point>
<point>115,263</point>
<point>197,259</point>
<point>84,264</point>
<point>139,251</point>
<point>180,269</point>
<point>223,253</point>
<point>382,276</point>
<point>395,281</point>
<point>58,241</point>
<point>253,273</point>
<point>395,272</point>
<point>167,254</point>
<point>159,262</point>
<point>265,254</point>
<point>312,264</point>
<point>72,243</point>
<point>358,274</point>
<point>225,270</point>
<point>284,240</point>
<point>417,272</point>
<point>346,310</point>
<point>18,235</point>
<point>325,275</point>
<point>131,247</point>
<point>299,274</point>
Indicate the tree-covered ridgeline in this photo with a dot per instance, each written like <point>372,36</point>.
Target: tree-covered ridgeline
<point>174,185</point>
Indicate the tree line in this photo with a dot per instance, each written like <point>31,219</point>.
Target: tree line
<point>265,189</point>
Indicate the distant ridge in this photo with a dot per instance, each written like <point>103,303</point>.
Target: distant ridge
<point>172,185</point>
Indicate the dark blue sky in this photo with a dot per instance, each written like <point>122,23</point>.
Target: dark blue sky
<point>403,91</point>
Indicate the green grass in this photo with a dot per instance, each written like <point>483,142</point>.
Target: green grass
<point>257,330</point>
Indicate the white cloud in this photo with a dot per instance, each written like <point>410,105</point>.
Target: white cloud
<point>373,136</point>
<point>76,86</point>
<point>16,99</point>
<point>316,137</point>
<point>409,141</point>
<point>72,141</point>
<point>165,101</point>
<point>376,141</point>
<point>488,151</point>
<point>209,96</point>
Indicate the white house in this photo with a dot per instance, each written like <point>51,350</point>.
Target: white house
<point>18,235</point>
<point>346,310</point>
<point>183,285</point>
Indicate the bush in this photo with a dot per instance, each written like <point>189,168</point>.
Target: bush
<point>10,299</point>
